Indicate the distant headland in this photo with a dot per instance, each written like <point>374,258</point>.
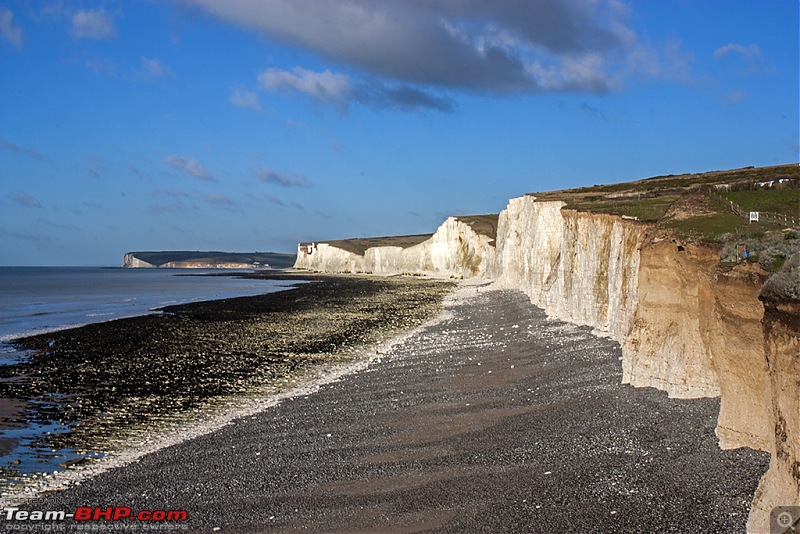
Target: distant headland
<point>208,260</point>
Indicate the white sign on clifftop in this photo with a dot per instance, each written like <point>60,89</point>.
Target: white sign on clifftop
<point>753,216</point>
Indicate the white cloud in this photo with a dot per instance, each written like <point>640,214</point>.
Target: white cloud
<point>324,86</point>
<point>468,45</point>
<point>24,199</point>
<point>8,29</point>
<point>283,180</point>
<point>750,51</point>
<point>92,24</point>
<point>747,59</point>
<point>412,55</point>
<point>670,61</point>
<point>587,72</point>
<point>190,166</point>
<point>153,68</point>
<point>337,89</point>
<point>245,99</point>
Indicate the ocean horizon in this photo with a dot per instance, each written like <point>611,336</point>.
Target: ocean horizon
<point>36,300</point>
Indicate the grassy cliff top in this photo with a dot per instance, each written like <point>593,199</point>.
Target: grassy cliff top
<point>695,204</point>
<point>677,183</point>
<point>699,207</point>
<point>359,245</point>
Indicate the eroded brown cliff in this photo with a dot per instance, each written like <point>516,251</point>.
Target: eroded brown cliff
<point>781,484</point>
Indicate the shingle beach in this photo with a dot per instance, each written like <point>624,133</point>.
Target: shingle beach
<point>490,418</point>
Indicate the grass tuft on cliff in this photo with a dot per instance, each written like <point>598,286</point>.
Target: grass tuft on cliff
<point>784,285</point>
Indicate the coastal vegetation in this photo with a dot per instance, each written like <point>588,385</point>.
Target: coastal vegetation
<point>711,208</point>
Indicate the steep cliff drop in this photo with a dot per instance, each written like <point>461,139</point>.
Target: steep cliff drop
<point>578,267</point>
<point>686,324</point>
<point>780,486</point>
<point>462,247</point>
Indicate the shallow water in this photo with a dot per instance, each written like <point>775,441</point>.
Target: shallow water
<point>37,300</point>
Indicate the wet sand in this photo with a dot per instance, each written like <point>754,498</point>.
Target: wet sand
<point>492,419</point>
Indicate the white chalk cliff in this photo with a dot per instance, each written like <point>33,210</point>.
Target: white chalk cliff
<point>686,326</point>
<point>132,262</point>
<point>455,250</point>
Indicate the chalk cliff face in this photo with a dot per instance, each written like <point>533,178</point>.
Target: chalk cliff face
<point>697,333</point>
<point>205,265</point>
<point>665,348</point>
<point>578,267</point>
<point>734,336</point>
<point>131,261</point>
<point>454,250</point>
<point>686,325</point>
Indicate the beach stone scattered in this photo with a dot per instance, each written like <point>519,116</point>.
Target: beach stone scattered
<point>426,439</point>
<point>120,383</point>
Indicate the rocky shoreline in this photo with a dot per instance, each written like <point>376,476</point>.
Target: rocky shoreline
<point>491,418</point>
<point>119,384</point>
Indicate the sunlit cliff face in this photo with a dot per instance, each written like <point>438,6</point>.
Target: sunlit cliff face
<point>686,325</point>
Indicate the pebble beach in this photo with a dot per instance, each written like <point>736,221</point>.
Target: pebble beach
<point>487,417</point>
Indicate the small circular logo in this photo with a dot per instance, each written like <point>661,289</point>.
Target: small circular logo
<point>784,519</point>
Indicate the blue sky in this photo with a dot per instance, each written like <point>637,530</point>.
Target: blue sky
<point>250,125</point>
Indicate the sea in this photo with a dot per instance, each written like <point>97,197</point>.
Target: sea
<point>36,300</point>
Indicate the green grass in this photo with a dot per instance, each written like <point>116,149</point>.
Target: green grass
<point>711,227</point>
<point>781,201</point>
<point>648,209</point>
<point>721,226</point>
<point>683,181</point>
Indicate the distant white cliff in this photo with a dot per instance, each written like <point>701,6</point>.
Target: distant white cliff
<point>455,250</point>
